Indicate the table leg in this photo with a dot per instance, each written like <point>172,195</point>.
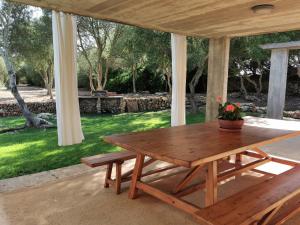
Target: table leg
<point>136,176</point>
<point>211,183</point>
<point>238,160</point>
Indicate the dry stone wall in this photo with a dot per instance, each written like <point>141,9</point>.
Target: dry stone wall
<point>96,105</point>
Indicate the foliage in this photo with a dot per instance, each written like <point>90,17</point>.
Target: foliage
<point>34,150</point>
<point>106,49</point>
<point>131,53</point>
<point>251,63</point>
<point>97,44</point>
<point>230,111</point>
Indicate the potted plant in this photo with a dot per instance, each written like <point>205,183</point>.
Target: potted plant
<point>230,116</point>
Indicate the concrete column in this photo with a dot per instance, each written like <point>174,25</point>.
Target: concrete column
<point>277,83</point>
<point>217,75</point>
<point>179,62</point>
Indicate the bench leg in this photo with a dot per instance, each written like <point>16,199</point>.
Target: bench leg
<point>118,177</point>
<point>108,175</point>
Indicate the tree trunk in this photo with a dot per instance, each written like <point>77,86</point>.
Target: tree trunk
<point>99,77</point>
<point>85,54</point>
<point>169,77</point>
<point>46,79</point>
<point>107,65</point>
<point>31,119</point>
<point>92,88</point>
<point>50,79</point>
<point>254,84</point>
<point>192,86</point>
<point>260,85</point>
<point>133,71</point>
<point>243,88</point>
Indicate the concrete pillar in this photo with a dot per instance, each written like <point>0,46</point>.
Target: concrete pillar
<point>277,83</point>
<point>217,75</point>
<point>179,63</point>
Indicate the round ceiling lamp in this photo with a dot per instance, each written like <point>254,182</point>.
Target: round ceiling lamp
<point>262,9</point>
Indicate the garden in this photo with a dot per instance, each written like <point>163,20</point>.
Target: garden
<point>118,61</point>
<point>35,150</point>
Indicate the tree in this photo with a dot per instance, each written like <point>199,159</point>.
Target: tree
<point>36,48</point>
<point>97,43</point>
<point>131,53</point>
<point>3,73</point>
<point>13,18</point>
<point>197,63</point>
<point>249,62</point>
<point>41,54</point>
<point>157,47</point>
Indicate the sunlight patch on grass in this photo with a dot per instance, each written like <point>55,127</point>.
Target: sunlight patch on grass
<point>35,150</point>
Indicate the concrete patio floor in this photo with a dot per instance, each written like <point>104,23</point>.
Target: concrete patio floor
<point>82,200</point>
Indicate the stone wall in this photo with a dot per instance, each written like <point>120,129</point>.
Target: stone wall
<point>125,103</point>
<point>12,109</point>
<point>94,105</point>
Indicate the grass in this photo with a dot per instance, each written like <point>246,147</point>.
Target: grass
<point>34,150</point>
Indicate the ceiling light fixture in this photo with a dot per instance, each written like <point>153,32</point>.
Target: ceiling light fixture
<point>262,9</point>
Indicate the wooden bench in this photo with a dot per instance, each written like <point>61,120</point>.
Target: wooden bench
<point>117,158</point>
<point>269,203</point>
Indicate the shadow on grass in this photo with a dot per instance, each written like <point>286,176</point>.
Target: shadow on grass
<point>33,150</point>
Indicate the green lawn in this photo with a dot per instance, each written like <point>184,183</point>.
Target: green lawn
<point>34,150</point>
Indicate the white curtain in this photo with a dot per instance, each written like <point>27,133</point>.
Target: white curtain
<point>179,61</point>
<point>67,105</point>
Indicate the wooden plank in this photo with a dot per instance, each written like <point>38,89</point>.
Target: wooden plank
<point>196,144</point>
<point>206,18</point>
<point>169,199</point>
<point>224,176</point>
<point>254,202</point>
<point>136,176</point>
<point>211,184</point>
<point>118,177</point>
<point>104,159</point>
<point>108,175</point>
<point>217,79</point>
<point>290,209</point>
<point>273,159</point>
<point>129,173</point>
<point>188,178</point>
<point>151,172</point>
<point>244,168</point>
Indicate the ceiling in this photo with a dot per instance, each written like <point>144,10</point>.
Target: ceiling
<point>205,18</point>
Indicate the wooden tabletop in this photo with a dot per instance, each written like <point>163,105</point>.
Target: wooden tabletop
<point>192,145</point>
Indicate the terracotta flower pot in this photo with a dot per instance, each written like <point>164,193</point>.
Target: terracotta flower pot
<point>231,125</point>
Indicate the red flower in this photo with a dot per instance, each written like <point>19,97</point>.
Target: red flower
<point>230,108</point>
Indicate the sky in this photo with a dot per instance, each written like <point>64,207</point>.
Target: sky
<point>37,12</point>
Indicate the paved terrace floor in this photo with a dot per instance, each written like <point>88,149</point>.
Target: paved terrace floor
<point>81,200</point>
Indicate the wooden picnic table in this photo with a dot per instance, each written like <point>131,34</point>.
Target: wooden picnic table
<point>196,146</point>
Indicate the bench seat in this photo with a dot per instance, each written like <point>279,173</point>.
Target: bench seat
<point>110,159</point>
<point>104,159</point>
<point>255,203</point>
